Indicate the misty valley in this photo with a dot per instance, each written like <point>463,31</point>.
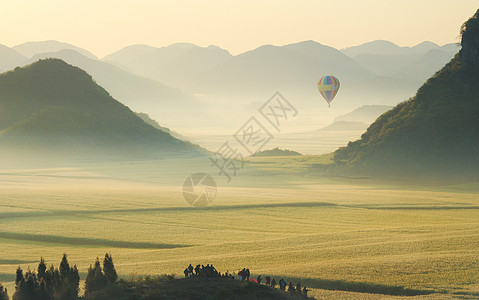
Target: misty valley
<point>298,171</point>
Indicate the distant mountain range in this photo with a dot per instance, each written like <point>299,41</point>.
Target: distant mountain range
<point>433,134</point>
<point>358,119</point>
<point>211,82</point>
<point>211,69</point>
<point>10,58</point>
<point>175,65</point>
<point>290,68</point>
<point>365,114</point>
<point>138,93</point>
<point>52,109</point>
<point>30,49</point>
<point>388,59</point>
<point>382,47</point>
<point>376,66</point>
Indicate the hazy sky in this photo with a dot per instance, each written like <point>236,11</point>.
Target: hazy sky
<point>104,26</point>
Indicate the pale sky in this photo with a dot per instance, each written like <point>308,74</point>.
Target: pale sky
<point>104,26</point>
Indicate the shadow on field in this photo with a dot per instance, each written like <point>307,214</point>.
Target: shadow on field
<point>5,277</point>
<point>416,207</point>
<point>84,241</point>
<point>466,295</point>
<point>56,213</point>
<point>358,287</point>
<point>13,261</point>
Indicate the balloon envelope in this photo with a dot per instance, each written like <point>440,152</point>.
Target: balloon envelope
<point>328,86</point>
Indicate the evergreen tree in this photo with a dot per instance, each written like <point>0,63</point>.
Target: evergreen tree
<point>109,269</point>
<point>69,281</point>
<point>95,279</point>
<point>3,293</point>
<point>42,269</point>
<point>52,280</point>
<point>19,276</point>
<point>75,279</point>
<point>19,286</point>
<point>43,281</point>
<point>31,286</point>
<point>64,268</point>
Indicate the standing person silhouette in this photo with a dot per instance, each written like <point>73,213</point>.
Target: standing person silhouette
<point>291,287</point>
<point>190,270</point>
<point>282,284</point>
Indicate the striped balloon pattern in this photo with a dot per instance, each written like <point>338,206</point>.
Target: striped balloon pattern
<point>328,86</point>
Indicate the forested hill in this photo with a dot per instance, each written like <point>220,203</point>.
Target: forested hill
<point>52,108</point>
<point>436,132</point>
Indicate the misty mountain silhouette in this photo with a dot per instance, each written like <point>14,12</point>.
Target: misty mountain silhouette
<point>358,119</point>
<point>381,73</point>
<point>138,93</point>
<point>382,47</point>
<point>364,114</point>
<point>29,49</point>
<point>10,58</point>
<point>53,109</point>
<point>291,67</point>
<point>434,133</point>
<point>428,64</point>
<point>381,76</point>
<point>408,64</point>
<point>175,65</point>
<point>213,69</point>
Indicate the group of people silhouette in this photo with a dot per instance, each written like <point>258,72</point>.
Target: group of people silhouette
<point>245,274</point>
<point>298,289</point>
<point>205,271</point>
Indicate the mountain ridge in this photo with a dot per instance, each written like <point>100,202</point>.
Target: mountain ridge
<point>384,47</point>
<point>51,105</point>
<point>138,93</point>
<point>9,58</point>
<point>29,49</point>
<point>434,133</point>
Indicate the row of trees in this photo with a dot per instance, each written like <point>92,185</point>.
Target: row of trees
<point>61,283</point>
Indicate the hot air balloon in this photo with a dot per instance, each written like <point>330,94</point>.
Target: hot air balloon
<point>328,86</point>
